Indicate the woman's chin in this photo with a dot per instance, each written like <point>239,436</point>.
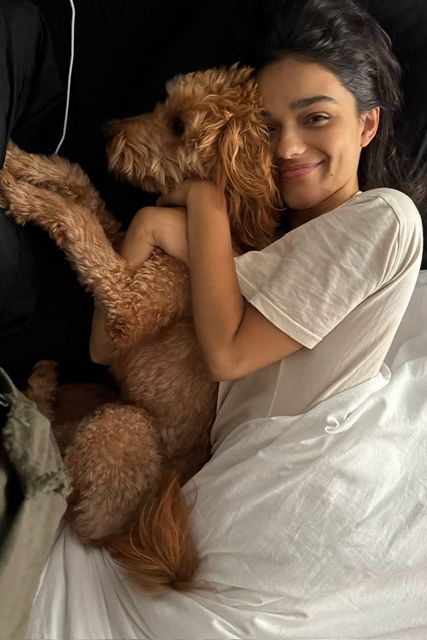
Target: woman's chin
<point>300,203</point>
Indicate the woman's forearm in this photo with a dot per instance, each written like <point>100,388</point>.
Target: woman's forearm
<point>218,306</point>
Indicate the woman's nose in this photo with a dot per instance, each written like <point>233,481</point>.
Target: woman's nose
<point>290,144</point>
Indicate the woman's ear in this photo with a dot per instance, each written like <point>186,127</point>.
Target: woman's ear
<point>370,122</point>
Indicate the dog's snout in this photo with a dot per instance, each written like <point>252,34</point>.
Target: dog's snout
<point>126,126</point>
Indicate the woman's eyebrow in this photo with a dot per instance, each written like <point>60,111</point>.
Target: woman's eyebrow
<point>300,104</point>
<point>306,102</point>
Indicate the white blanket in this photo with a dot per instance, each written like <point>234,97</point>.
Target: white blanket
<point>312,526</point>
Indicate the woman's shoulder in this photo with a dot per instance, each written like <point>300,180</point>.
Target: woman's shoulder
<point>389,218</point>
<point>380,213</point>
<point>386,201</point>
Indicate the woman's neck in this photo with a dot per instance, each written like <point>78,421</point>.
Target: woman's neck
<point>297,217</point>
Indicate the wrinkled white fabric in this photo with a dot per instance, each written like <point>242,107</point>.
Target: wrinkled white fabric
<point>311,526</point>
<point>339,285</point>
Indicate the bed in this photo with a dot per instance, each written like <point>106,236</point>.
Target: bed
<point>312,526</point>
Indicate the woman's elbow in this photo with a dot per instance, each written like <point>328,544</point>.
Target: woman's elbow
<point>221,370</point>
<point>99,355</point>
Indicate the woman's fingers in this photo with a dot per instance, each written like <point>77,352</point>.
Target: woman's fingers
<point>163,227</point>
<point>170,231</point>
<point>138,242</point>
<point>175,198</point>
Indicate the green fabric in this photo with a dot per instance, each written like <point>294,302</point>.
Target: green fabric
<point>33,488</point>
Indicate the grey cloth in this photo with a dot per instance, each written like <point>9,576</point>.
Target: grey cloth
<point>33,488</point>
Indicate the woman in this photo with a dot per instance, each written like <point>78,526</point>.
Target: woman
<point>314,313</point>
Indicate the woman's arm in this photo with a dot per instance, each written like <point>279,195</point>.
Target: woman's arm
<point>236,339</point>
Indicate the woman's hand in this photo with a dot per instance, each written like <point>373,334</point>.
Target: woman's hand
<point>178,196</point>
<point>163,227</point>
<point>193,190</point>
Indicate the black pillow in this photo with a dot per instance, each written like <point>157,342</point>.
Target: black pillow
<point>406,23</point>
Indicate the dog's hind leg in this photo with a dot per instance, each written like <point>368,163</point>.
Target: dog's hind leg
<point>136,304</point>
<point>114,464</point>
<point>123,497</point>
<point>42,385</point>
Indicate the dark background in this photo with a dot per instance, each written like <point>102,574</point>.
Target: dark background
<point>124,52</point>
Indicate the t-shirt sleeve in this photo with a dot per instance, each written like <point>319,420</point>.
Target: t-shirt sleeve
<point>307,282</point>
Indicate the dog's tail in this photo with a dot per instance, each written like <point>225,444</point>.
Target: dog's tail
<point>159,551</point>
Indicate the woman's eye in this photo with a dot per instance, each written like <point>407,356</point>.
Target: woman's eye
<point>177,125</point>
<point>317,117</point>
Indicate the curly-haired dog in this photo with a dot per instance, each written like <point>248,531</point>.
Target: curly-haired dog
<point>211,126</point>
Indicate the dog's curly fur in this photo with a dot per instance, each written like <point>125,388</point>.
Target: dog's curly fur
<point>121,455</point>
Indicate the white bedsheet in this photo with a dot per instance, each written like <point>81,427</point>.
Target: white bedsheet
<point>312,526</point>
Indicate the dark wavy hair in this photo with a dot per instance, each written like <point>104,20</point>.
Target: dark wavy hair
<point>346,40</point>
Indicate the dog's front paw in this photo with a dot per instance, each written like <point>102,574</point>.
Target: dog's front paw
<point>26,203</point>
<point>4,201</point>
<point>7,182</point>
<point>47,172</point>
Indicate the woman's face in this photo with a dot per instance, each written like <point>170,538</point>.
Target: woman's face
<point>316,134</point>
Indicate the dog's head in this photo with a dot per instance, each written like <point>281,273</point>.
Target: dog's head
<point>211,127</point>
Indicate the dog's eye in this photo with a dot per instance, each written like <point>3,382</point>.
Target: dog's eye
<point>177,125</point>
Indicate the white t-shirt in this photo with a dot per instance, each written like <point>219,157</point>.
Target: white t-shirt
<point>338,284</point>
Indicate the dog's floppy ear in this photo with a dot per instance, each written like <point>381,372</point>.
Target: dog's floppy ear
<point>244,170</point>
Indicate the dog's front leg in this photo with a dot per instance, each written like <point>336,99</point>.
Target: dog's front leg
<point>61,176</point>
<point>137,304</point>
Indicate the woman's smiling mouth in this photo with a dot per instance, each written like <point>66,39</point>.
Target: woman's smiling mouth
<point>298,170</point>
